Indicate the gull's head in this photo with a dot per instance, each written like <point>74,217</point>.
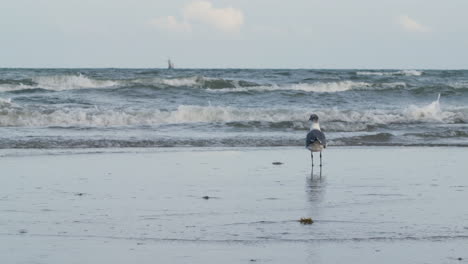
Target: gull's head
<point>314,118</point>
<point>315,123</point>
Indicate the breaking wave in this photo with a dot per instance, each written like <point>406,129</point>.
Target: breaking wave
<point>198,82</point>
<point>411,114</point>
<point>57,83</point>
<point>319,87</point>
<point>69,82</point>
<point>183,114</point>
<point>80,81</point>
<point>391,73</point>
<point>334,119</point>
<point>42,108</point>
<point>5,102</point>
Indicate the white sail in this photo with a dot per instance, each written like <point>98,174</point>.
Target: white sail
<point>170,65</point>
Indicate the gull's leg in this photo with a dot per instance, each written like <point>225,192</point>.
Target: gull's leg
<point>312,169</point>
<point>320,164</point>
<point>312,158</point>
<point>320,158</point>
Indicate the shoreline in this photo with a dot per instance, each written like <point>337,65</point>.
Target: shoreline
<point>18,152</point>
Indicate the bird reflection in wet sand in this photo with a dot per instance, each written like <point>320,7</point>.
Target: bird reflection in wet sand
<point>315,188</point>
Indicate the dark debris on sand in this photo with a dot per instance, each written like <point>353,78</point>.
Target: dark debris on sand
<point>306,221</point>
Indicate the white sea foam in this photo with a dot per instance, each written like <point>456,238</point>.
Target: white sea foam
<point>430,112</point>
<point>173,82</point>
<point>189,81</point>
<point>411,114</point>
<point>16,116</point>
<point>412,72</point>
<point>189,113</point>
<point>5,102</point>
<point>459,84</point>
<point>60,83</point>
<point>393,85</point>
<point>72,82</point>
<point>68,82</point>
<point>184,114</point>
<point>15,87</point>
<point>390,73</point>
<point>320,87</point>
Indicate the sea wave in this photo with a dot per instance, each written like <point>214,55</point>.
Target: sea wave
<point>57,83</point>
<point>9,87</point>
<point>223,140</point>
<point>210,84</point>
<point>411,114</point>
<point>183,114</point>
<point>190,81</point>
<point>80,81</point>
<point>440,134</point>
<point>73,143</point>
<point>72,82</point>
<point>5,102</point>
<point>391,73</point>
<point>458,84</point>
<point>334,118</point>
<point>69,82</point>
<point>197,82</point>
<point>318,87</point>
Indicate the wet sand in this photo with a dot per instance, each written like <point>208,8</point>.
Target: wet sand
<point>372,204</point>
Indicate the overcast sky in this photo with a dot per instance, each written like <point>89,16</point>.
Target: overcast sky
<point>235,33</point>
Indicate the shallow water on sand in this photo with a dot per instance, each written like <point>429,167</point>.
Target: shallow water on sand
<point>368,196</point>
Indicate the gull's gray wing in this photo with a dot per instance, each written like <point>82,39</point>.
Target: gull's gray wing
<point>316,135</point>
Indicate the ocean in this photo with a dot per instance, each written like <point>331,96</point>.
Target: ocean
<point>120,108</point>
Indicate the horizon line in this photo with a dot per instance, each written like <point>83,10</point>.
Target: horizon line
<point>236,68</point>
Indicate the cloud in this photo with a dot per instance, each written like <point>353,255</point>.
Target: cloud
<point>227,19</point>
<point>171,24</point>
<point>411,25</point>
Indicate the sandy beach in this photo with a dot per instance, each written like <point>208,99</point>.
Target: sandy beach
<point>232,205</point>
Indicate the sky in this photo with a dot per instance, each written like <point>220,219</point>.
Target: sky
<point>331,34</point>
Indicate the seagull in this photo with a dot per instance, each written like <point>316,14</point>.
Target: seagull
<point>315,140</point>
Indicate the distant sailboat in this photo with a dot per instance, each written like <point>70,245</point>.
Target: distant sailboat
<point>170,65</point>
